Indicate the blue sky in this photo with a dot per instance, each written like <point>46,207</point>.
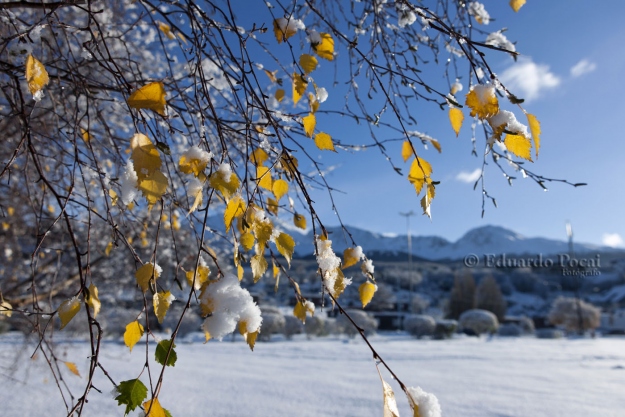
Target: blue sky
<point>571,73</point>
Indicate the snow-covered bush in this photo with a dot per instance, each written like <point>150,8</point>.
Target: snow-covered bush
<point>571,313</point>
<point>549,334</point>
<point>419,325</point>
<point>314,326</point>
<point>479,321</point>
<point>292,326</point>
<point>510,330</point>
<point>419,304</point>
<point>362,319</point>
<point>445,329</point>
<point>273,322</point>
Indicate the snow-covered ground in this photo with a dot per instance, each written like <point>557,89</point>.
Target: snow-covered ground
<point>501,377</point>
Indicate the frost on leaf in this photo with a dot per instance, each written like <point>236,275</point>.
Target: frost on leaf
<point>285,245</point>
<point>131,393</point>
<point>519,146</point>
<point>133,333</point>
<point>308,63</point>
<point>225,181</point>
<point>153,408</point>
<point>150,96</point>
<point>330,265</point>
<point>299,220</point>
<point>351,256</point>
<point>280,187</point>
<point>161,302</point>
<point>325,47</point>
<point>160,355</point>
<point>194,160</point>
<point>422,403</point>
<point>36,76</point>
<point>535,129</point>
<point>516,4</point>
<point>309,123</point>
<point>299,86</point>
<point>456,117</point>
<point>324,142</point>
<point>145,273</point>
<point>366,291</point>
<point>482,101</point>
<point>284,28</point>
<point>93,301</point>
<point>72,368</point>
<point>67,310</point>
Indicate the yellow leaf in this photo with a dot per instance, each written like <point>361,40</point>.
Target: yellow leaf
<point>482,101</point>
<point>84,133</point>
<point>263,176</point>
<point>309,124</point>
<point>313,103</point>
<point>419,174</point>
<point>67,310</point>
<point>93,301</point>
<point>339,283</point>
<point>235,208</point>
<point>299,86</point>
<point>247,241</point>
<point>226,188</point>
<point>283,29</point>
<point>150,96</point>
<point>272,206</point>
<point>299,220</point>
<point>250,339</point>
<point>153,408</point>
<point>308,63</point>
<point>166,29</point>
<point>456,117</point>
<point>240,272</point>
<point>259,156</point>
<point>299,311</point>
<point>324,142</point>
<point>351,256</point>
<point>366,291</point>
<point>285,245</point>
<point>390,405</point>
<point>259,266</point>
<point>133,333</point>
<point>406,150</point>
<point>145,156</point>
<point>425,205</point>
<point>519,146</point>
<point>5,308</point>
<point>10,211</point>
<point>262,230</point>
<point>161,302</point>
<point>36,75</point>
<point>200,277</point>
<point>197,201</point>
<point>72,368</point>
<point>279,94</point>
<point>154,186</point>
<point>280,188</point>
<point>325,48</point>
<point>145,273</point>
<point>189,165</point>
<point>535,129</point>
<point>272,75</point>
<point>516,4</point>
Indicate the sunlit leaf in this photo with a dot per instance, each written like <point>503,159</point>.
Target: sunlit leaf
<point>263,176</point>
<point>166,29</point>
<point>250,339</point>
<point>259,156</point>
<point>283,29</point>
<point>133,333</point>
<point>259,266</point>
<point>535,129</point>
<point>390,405</point>
<point>351,256</point>
<point>153,408</point>
<point>366,291</point>
<point>36,75</point>
<point>280,188</point>
<point>150,96</point>
<point>247,241</point>
<point>309,124</point>
<point>272,205</point>
<point>161,353</point>
<point>72,368</point>
<point>145,273</point>
<point>226,188</point>
<point>325,48</point>
<point>153,187</point>
<point>5,308</point>
<point>308,63</point>
<point>235,208</point>
<point>131,393</point>
<point>482,101</point>
<point>324,142</point>
<point>262,231</point>
<point>299,220</point>
<point>201,276</point>
<point>516,4</point>
<point>161,302</point>
<point>285,245</point>
<point>67,310</point>
<point>92,300</point>
<point>456,117</point>
<point>406,150</point>
<point>419,174</point>
<point>145,156</point>
<point>299,311</point>
<point>313,103</point>
<point>519,145</point>
<point>299,86</point>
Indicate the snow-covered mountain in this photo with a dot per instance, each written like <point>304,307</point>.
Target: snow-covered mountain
<point>480,241</point>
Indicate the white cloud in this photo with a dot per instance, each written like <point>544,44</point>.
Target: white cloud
<point>528,80</point>
<point>582,67</point>
<point>613,240</point>
<point>469,177</point>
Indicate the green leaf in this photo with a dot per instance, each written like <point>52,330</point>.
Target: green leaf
<point>161,353</point>
<point>131,394</point>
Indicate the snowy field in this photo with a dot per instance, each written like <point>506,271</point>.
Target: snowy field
<point>502,377</point>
